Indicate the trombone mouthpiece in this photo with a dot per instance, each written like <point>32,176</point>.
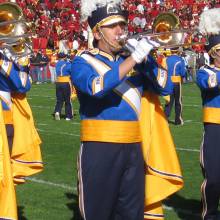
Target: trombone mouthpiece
<point>122,39</point>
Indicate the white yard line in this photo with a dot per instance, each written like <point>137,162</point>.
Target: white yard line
<point>187,149</point>
<point>41,124</point>
<point>46,107</point>
<point>192,105</point>
<point>42,107</point>
<point>62,133</point>
<point>49,183</point>
<point>37,95</point>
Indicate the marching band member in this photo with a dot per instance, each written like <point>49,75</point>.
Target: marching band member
<point>176,67</point>
<point>109,87</point>
<point>20,154</point>
<point>63,87</point>
<point>14,84</point>
<point>22,138</point>
<point>208,80</point>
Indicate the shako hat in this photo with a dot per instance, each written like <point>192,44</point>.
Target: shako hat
<point>102,12</point>
<point>209,24</point>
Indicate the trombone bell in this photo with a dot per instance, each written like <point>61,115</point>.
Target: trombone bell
<point>13,29</point>
<point>165,23</point>
<point>163,27</point>
<point>6,29</point>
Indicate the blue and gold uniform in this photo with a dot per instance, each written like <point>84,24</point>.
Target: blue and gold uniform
<point>21,148</point>
<point>208,80</point>
<point>110,108</point>
<point>63,88</point>
<point>111,105</point>
<point>177,70</point>
<point>13,78</point>
<point>111,90</point>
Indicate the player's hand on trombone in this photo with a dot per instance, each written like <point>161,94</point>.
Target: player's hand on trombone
<point>141,48</point>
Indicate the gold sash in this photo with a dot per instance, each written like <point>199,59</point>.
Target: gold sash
<point>163,176</point>
<point>8,206</point>
<point>26,153</point>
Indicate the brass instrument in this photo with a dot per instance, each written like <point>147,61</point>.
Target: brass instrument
<point>166,31</point>
<point>13,30</point>
<point>167,23</point>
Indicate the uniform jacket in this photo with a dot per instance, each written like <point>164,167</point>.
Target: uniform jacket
<point>208,80</point>
<point>176,67</point>
<point>26,155</point>
<point>13,78</point>
<point>109,106</point>
<point>63,71</point>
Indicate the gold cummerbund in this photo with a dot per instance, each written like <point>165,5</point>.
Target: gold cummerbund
<point>110,131</point>
<point>63,79</point>
<point>176,79</point>
<point>211,115</point>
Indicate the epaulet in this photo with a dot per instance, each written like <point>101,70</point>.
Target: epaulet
<point>205,67</point>
<point>94,51</point>
<point>91,52</point>
<point>79,52</point>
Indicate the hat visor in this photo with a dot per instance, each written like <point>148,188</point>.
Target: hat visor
<point>114,19</point>
<point>216,47</point>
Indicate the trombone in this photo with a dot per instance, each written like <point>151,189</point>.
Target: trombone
<point>166,31</point>
<point>14,30</point>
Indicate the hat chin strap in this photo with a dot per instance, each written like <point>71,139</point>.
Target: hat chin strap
<point>107,41</point>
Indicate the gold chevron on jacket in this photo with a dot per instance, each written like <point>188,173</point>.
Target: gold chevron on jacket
<point>8,206</point>
<point>163,175</point>
<point>26,154</point>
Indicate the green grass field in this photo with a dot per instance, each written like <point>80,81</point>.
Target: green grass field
<point>52,194</point>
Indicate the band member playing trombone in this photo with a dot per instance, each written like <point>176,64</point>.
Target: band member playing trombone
<point>20,142</point>
<point>109,88</point>
<point>208,80</point>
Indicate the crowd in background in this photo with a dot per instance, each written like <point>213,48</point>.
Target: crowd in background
<point>60,20</point>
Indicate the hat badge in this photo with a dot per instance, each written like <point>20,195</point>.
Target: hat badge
<point>112,9</point>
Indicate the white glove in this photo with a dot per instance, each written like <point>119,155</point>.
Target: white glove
<point>131,44</point>
<point>142,49</point>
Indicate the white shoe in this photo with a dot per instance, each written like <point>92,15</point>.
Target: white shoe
<point>57,116</point>
<point>68,119</point>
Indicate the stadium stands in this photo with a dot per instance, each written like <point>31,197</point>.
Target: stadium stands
<point>60,20</point>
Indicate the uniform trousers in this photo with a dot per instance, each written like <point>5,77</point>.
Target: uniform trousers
<point>63,95</point>
<point>177,98</point>
<point>210,163</point>
<point>111,181</point>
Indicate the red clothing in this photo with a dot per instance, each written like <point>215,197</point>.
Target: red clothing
<point>154,13</point>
